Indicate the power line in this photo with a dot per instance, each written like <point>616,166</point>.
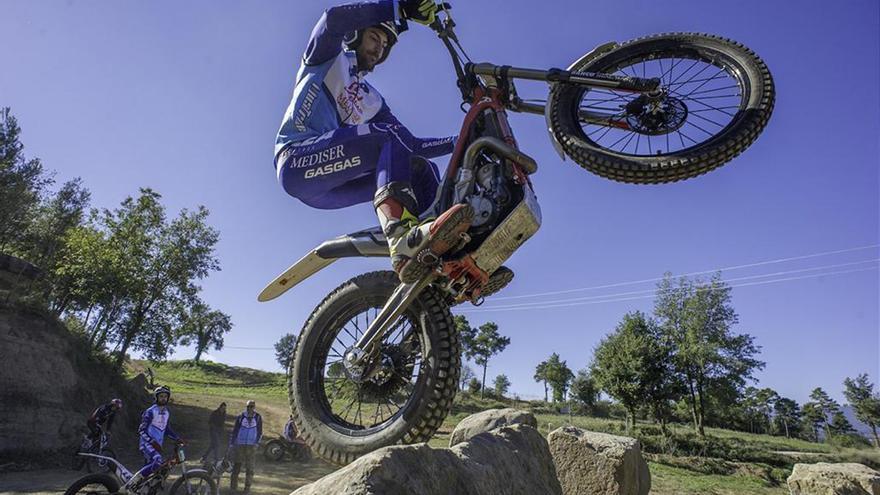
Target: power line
<point>250,348</point>
<point>653,291</point>
<point>584,303</point>
<point>736,267</point>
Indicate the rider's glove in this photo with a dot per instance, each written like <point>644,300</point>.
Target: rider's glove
<point>421,11</point>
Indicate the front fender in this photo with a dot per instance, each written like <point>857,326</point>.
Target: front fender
<point>365,243</point>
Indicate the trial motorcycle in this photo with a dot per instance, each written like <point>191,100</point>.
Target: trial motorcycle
<point>377,362</point>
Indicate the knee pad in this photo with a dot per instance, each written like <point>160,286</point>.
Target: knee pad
<point>399,191</point>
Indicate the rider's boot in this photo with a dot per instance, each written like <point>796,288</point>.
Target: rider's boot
<point>415,245</point>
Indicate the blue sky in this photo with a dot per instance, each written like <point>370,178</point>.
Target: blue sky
<point>186,98</point>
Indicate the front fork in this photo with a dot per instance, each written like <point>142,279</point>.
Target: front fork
<point>357,357</point>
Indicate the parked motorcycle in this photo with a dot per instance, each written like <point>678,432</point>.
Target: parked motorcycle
<point>377,363</point>
<point>122,481</point>
<point>278,448</point>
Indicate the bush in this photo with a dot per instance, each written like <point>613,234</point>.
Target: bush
<point>851,440</point>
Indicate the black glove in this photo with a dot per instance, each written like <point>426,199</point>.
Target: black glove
<point>421,11</point>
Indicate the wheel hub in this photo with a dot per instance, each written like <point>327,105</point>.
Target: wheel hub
<point>382,376</point>
<point>656,114</point>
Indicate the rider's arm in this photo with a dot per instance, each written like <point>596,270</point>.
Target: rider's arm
<point>234,434</point>
<point>426,147</point>
<point>326,40</point>
<point>170,433</point>
<point>110,421</point>
<point>259,427</point>
<point>143,429</point>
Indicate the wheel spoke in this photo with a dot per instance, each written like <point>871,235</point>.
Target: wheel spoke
<point>708,120</point>
<point>685,72</point>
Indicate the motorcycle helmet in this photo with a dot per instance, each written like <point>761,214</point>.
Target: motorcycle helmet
<point>392,30</point>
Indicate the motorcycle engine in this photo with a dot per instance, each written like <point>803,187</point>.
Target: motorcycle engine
<point>489,197</point>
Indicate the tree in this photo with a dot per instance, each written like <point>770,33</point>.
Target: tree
<point>501,385</point>
<point>22,182</point>
<point>786,415</point>
<point>284,350</point>
<point>482,344</point>
<point>474,386</point>
<point>839,425</point>
<point>697,319</point>
<point>584,391</point>
<point>161,262</point>
<point>541,376</point>
<point>558,375</point>
<point>467,373</point>
<point>625,363</point>
<point>43,238</point>
<point>866,403</point>
<point>826,407</point>
<point>204,327</point>
<point>813,418</point>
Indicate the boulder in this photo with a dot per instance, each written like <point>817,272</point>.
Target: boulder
<point>511,460</point>
<point>488,420</point>
<point>825,478</point>
<point>598,463</point>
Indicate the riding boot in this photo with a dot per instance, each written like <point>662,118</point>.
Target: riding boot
<point>414,246</point>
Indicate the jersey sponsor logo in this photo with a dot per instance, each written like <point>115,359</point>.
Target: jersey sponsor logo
<point>305,109</point>
<point>318,157</point>
<point>350,101</point>
<point>439,142</point>
<point>332,168</point>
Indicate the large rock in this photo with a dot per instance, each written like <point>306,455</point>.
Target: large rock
<point>488,420</point>
<point>598,463</point>
<point>834,479</point>
<point>511,460</point>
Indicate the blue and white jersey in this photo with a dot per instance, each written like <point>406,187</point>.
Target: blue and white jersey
<point>247,430</point>
<point>330,90</point>
<point>155,424</point>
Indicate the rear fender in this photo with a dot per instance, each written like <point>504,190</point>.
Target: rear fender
<point>365,243</point>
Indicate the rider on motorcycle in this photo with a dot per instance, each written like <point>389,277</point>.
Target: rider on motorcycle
<point>102,418</point>
<point>155,426</point>
<point>340,145</point>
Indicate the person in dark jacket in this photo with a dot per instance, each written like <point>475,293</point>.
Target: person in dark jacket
<point>243,441</point>
<point>102,419</point>
<point>216,426</point>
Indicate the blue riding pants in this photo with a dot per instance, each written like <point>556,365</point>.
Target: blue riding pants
<point>346,167</point>
<point>152,457</point>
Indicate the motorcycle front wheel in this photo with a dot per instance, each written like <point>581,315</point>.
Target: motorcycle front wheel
<point>194,483</point>
<point>715,98</point>
<point>341,415</point>
<point>274,450</point>
<point>94,484</point>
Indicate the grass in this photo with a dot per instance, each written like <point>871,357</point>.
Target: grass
<point>724,462</point>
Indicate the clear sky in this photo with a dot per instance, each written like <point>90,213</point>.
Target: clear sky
<point>186,98</point>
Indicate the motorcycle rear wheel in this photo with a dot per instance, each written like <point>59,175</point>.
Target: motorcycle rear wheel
<point>694,128</point>
<point>405,404</point>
